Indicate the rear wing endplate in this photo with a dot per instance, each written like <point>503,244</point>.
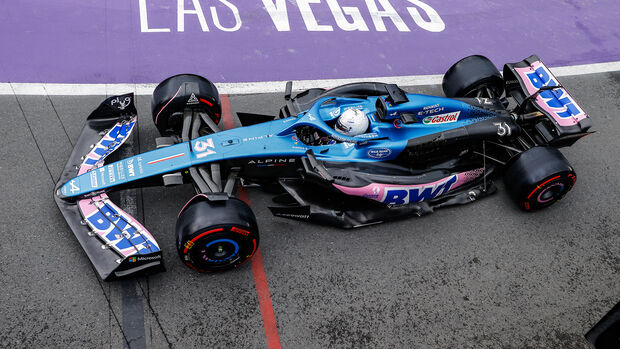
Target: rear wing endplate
<point>535,88</point>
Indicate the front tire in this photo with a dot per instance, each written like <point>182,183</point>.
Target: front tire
<point>216,235</point>
<point>173,95</point>
<point>538,178</point>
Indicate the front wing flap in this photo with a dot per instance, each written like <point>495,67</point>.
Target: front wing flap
<point>117,245</point>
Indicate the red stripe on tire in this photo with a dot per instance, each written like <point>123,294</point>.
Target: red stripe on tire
<point>541,185</point>
<point>201,235</point>
<point>206,102</point>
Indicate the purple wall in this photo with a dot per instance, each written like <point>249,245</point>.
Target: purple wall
<point>87,41</point>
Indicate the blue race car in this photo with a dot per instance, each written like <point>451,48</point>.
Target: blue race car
<point>351,156</point>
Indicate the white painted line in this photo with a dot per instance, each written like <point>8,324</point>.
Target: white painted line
<point>5,89</point>
<point>42,89</point>
<point>28,89</point>
<point>586,69</point>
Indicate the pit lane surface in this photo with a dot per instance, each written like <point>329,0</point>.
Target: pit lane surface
<point>484,275</point>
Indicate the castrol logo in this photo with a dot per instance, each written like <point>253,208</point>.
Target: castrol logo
<point>442,118</point>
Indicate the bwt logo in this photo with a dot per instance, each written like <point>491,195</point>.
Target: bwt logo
<point>115,229</point>
<point>109,142</point>
<point>424,192</point>
<point>556,99</point>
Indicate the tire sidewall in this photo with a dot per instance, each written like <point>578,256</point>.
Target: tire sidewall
<point>537,200</point>
<point>470,74</point>
<point>532,173</point>
<point>170,99</point>
<point>203,221</point>
<point>193,245</point>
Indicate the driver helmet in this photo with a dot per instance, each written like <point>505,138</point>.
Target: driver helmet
<point>352,122</point>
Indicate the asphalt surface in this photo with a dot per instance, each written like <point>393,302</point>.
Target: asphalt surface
<point>485,275</point>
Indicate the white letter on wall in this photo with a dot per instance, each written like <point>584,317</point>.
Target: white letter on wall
<point>435,24</point>
<point>339,15</point>
<point>278,14</point>
<point>235,11</point>
<point>181,12</point>
<point>144,21</point>
<point>389,12</point>
<point>308,16</point>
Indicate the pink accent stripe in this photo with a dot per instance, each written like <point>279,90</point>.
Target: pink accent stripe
<point>162,109</point>
<point>164,159</point>
<point>188,202</point>
<point>376,191</point>
<point>466,177</point>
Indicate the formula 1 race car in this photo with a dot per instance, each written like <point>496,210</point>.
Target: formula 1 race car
<point>414,153</point>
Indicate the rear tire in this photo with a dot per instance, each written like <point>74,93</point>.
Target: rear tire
<point>470,75</point>
<point>173,95</point>
<point>538,178</point>
<point>216,235</point>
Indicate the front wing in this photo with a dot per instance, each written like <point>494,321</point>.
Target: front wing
<point>117,244</point>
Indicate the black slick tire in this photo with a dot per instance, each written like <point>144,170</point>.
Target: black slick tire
<point>538,178</point>
<point>467,76</point>
<point>216,235</point>
<point>177,93</point>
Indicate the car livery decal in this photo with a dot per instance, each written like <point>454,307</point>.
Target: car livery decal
<point>442,118</point>
<point>334,113</point>
<point>416,193</point>
<point>204,148</point>
<point>117,229</point>
<point>557,103</point>
<point>396,194</point>
<point>113,139</point>
<point>165,158</point>
<point>379,153</point>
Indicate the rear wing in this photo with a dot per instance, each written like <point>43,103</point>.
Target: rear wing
<point>117,244</point>
<point>536,89</point>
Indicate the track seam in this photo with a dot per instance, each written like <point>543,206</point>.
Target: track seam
<point>58,116</point>
<point>95,274</point>
<point>131,302</point>
<point>155,315</point>
<point>105,295</point>
<point>34,138</point>
<point>147,295</point>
